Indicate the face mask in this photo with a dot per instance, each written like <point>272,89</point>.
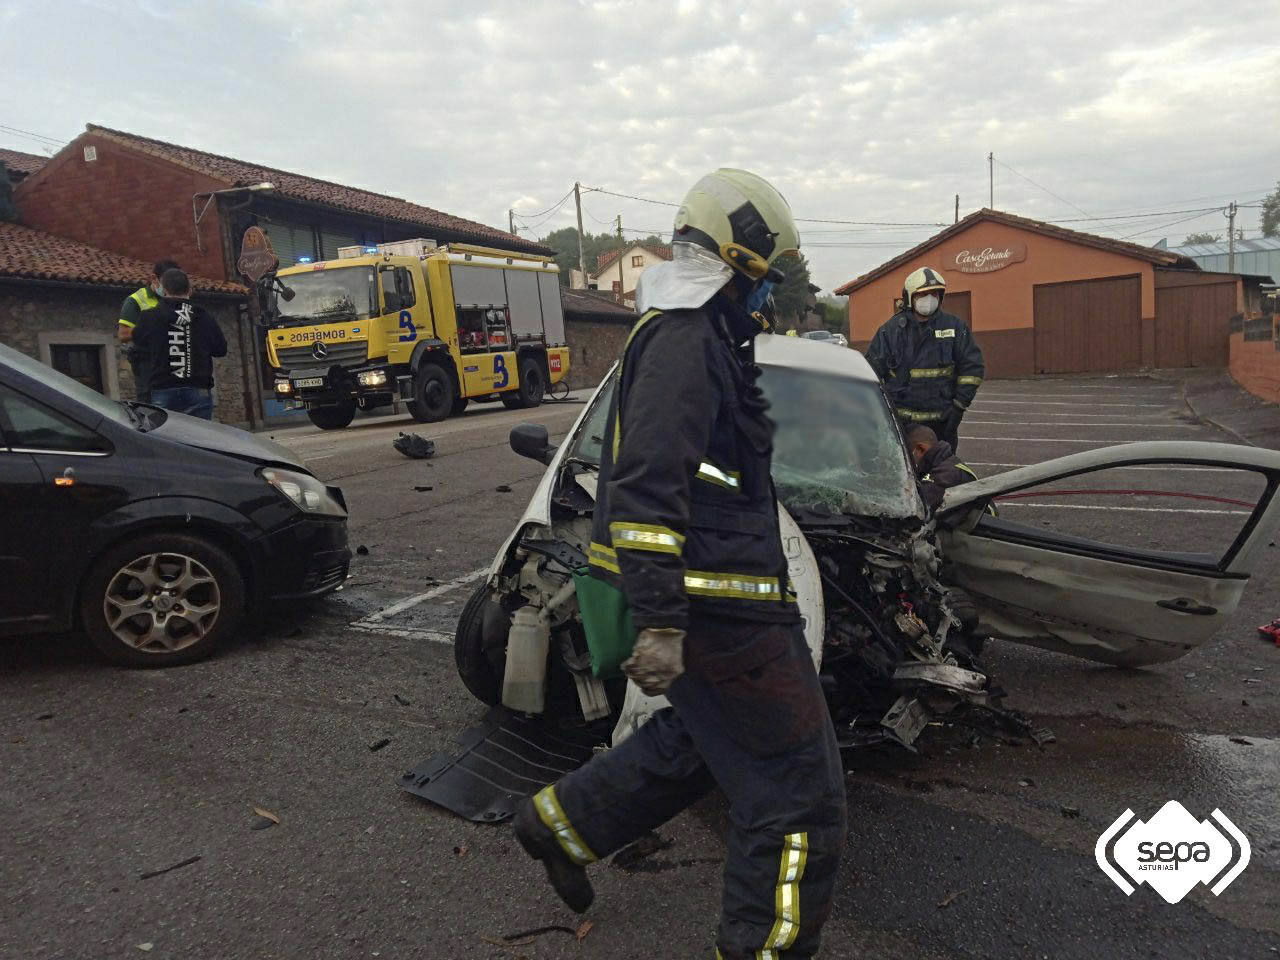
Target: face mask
<point>756,298</point>
<point>926,304</point>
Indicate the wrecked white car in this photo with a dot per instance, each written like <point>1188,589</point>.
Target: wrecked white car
<point>897,604</point>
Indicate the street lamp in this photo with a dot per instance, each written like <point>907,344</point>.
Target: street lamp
<point>198,215</point>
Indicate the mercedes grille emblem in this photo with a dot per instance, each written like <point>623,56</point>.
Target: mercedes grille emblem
<point>319,351</point>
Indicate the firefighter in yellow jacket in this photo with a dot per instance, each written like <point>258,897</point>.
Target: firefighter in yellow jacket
<point>686,525</point>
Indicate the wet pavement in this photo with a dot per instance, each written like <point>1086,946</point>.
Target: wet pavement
<point>969,849</point>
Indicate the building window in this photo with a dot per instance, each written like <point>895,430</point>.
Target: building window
<point>80,361</point>
<point>637,261</point>
<point>91,358</point>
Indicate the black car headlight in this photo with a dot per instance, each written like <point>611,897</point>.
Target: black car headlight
<point>302,490</point>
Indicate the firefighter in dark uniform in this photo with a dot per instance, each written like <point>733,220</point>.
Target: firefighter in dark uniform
<point>937,467</point>
<point>928,361</point>
<point>131,310</point>
<point>686,525</point>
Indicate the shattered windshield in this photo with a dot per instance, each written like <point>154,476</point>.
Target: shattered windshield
<point>328,294</point>
<point>836,445</point>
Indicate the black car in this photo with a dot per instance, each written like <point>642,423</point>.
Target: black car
<point>151,530</point>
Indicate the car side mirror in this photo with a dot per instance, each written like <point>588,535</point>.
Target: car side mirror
<point>532,440</point>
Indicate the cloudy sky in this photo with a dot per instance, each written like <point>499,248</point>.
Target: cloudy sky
<point>876,112</point>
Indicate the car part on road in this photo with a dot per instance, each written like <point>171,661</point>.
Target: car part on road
<point>504,758</point>
<point>161,600</point>
<point>414,446</point>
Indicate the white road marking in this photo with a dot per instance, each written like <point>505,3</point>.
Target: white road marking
<point>1073,423</point>
<point>1063,403</point>
<point>407,633</point>
<point>1091,506</point>
<point>400,606</point>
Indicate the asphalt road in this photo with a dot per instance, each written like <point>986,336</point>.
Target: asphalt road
<point>962,851</point>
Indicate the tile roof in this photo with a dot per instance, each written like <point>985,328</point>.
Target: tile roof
<point>296,186</point>
<point>23,163</point>
<point>1163,258</point>
<point>35,255</point>
<point>662,250</point>
<point>598,304</point>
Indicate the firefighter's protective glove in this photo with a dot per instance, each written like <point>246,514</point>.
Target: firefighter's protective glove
<point>656,660</point>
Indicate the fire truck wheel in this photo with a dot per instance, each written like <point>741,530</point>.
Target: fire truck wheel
<point>533,383</point>
<point>335,417</point>
<point>459,405</point>
<point>433,394</point>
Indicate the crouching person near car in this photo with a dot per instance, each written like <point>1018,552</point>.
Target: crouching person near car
<point>686,526</point>
<point>937,468</point>
<point>180,341</point>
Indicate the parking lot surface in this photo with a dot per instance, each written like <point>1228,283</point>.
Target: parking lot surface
<point>968,849</point>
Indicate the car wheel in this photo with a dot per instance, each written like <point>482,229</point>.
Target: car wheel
<point>480,668</point>
<point>335,417</point>
<point>433,394</point>
<point>161,600</point>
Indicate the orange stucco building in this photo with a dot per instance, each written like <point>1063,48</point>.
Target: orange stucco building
<point>1043,299</point>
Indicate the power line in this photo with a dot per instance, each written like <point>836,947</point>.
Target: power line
<point>553,209</point>
<point>33,136</point>
<point>855,223</point>
<point>1163,226</point>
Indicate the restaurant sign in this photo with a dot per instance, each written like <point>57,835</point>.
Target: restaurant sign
<point>257,259</point>
<point>986,259</point>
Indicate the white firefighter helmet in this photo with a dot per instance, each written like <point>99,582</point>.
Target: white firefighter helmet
<point>924,280</point>
<point>741,218</point>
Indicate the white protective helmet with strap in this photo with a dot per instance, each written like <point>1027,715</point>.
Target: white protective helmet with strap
<point>742,219</point>
<point>919,283</point>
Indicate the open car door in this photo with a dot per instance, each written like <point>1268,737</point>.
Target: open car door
<point>1128,555</point>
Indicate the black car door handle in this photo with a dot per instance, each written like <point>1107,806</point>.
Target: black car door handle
<point>1187,605</point>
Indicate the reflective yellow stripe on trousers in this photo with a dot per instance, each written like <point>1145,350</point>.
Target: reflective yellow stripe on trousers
<point>786,898</point>
<point>552,814</point>
<point>730,479</point>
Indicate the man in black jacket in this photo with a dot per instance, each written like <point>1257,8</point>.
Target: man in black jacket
<point>686,525</point>
<point>928,361</point>
<point>178,341</point>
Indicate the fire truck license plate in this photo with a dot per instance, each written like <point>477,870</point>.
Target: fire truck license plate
<point>309,382</point>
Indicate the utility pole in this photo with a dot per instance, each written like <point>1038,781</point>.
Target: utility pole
<point>511,221</point>
<point>957,219</point>
<point>991,177</point>
<point>582,260</point>
<point>621,287</point>
<point>1231,237</point>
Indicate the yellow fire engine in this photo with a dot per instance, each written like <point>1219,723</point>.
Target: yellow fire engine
<point>436,326</point>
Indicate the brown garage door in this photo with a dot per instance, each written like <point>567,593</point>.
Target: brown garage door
<point>1192,325</point>
<point>1089,325</point>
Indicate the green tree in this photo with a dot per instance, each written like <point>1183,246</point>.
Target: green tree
<point>792,297</point>
<point>1271,213</point>
<point>835,314</point>
<point>1202,238</point>
<point>7,209</point>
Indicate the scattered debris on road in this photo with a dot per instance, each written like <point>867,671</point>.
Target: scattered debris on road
<point>424,489</point>
<point>502,488</point>
<point>379,744</point>
<point>146,947</point>
<point>362,551</point>
<point>583,929</point>
<point>460,850</point>
<point>265,819</point>
<point>1069,811</point>
<point>45,716</point>
<point>414,446</point>
<point>1242,741</point>
<point>1271,631</point>
<point>949,899</point>
<point>401,700</point>
<point>173,866</point>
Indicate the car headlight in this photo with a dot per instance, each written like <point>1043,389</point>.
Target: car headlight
<point>304,491</point>
<point>372,378</point>
<point>284,386</point>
